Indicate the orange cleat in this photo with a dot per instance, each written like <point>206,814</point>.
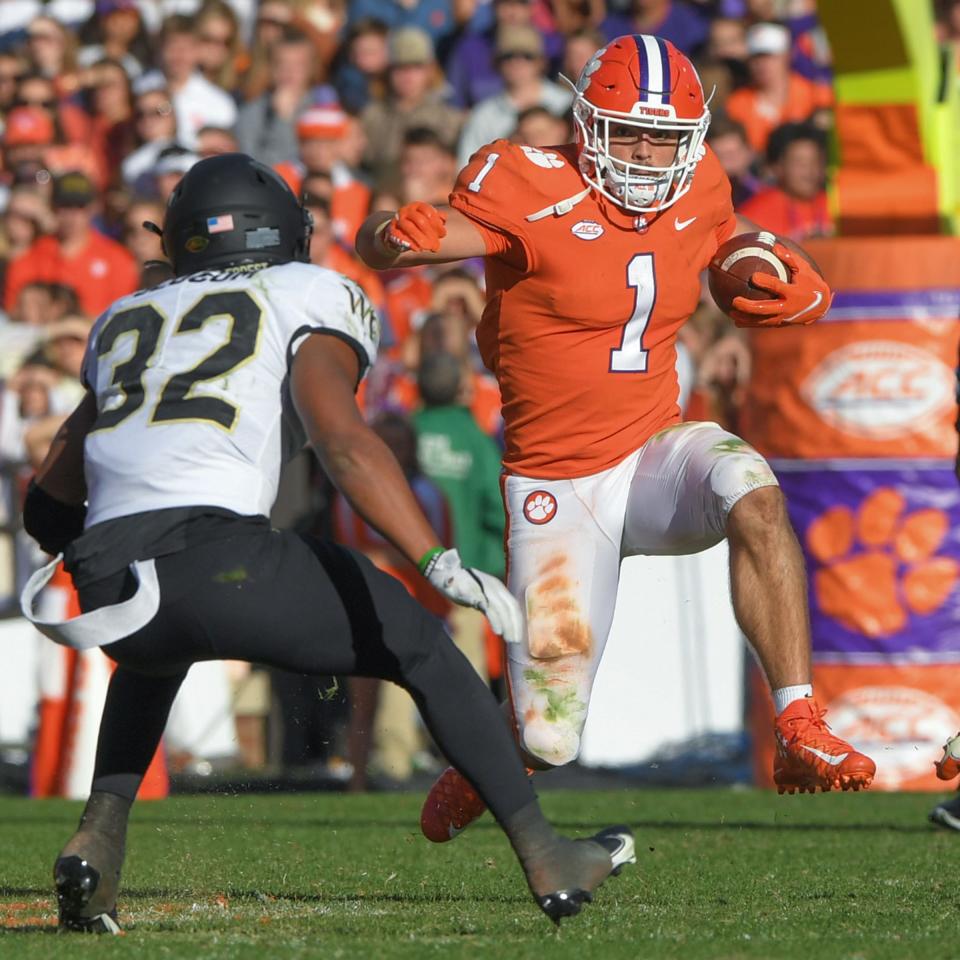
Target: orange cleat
<point>451,806</point>
<point>810,756</point>
<point>948,766</point>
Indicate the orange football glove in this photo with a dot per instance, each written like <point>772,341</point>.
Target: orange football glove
<point>804,299</point>
<point>415,226</point>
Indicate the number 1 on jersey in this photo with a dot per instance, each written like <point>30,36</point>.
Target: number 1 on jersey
<point>474,184</point>
<point>630,357</point>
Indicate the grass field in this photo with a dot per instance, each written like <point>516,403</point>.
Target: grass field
<point>720,874</point>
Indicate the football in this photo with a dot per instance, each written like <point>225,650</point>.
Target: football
<point>736,261</point>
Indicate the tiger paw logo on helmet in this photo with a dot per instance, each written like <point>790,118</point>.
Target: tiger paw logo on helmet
<point>879,564</point>
<point>540,507</point>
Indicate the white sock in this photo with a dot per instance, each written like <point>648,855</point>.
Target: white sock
<point>784,696</point>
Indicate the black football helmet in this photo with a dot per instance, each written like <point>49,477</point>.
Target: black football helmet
<point>231,209</point>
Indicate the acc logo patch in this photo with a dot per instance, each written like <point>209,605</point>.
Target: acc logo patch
<point>540,507</point>
<point>197,244</point>
<point>541,158</point>
<point>587,229</point>
<point>880,389</point>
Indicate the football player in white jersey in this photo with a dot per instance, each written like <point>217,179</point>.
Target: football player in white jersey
<point>156,491</point>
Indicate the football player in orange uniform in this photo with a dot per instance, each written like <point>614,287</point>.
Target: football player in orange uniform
<point>594,252</point>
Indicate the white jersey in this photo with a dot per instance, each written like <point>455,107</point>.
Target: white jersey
<point>192,385</point>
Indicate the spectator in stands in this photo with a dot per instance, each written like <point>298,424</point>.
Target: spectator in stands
<point>213,141</point>
<point>448,329</point>
<point>684,24</point>
<point>428,167</point>
<point>272,17</point>
<point>155,124</point>
<point>116,31</point>
<point>71,122</point>
<point>321,133</point>
<point>100,270</point>
<point>27,217</point>
<point>172,163</point>
<point>222,57</point>
<point>51,49</point>
<point>776,94</point>
<point>727,44</point>
<point>521,62</point>
<point>578,50</point>
<point>471,66</point>
<point>796,207</point>
<point>574,16</point>
<point>197,102</point>
<point>361,73</point>
<point>12,68</point>
<point>110,98</point>
<point>28,134</point>
<point>65,343</point>
<point>538,127</point>
<point>415,98</point>
<point>433,17</point>
<point>266,127</point>
<point>728,140</point>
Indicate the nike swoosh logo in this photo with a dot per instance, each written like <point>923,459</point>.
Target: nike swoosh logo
<point>817,300</point>
<point>826,757</point>
<point>682,224</point>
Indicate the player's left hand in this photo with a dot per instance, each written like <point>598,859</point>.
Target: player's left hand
<point>474,588</point>
<point>804,299</point>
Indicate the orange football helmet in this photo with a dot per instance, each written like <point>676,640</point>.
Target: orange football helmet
<point>645,82</point>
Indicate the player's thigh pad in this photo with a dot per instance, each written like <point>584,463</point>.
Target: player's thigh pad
<point>686,481</point>
<point>563,544</point>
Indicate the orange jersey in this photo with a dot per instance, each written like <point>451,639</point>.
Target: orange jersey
<point>584,306</point>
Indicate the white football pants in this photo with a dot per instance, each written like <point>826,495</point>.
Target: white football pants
<point>565,541</point>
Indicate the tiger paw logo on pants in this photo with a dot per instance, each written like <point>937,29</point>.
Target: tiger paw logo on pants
<point>540,507</point>
<point>879,563</point>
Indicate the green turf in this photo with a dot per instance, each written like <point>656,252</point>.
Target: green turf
<point>720,874</point>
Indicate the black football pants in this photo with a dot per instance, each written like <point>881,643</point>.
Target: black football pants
<point>292,602</point>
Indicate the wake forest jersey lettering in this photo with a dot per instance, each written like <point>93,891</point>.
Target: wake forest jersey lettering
<point>192,385</point>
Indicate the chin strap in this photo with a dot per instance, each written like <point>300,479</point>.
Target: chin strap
<point>559,208</point>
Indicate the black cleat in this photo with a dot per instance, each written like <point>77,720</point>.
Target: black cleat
<point>565,903</point>
<point>76,884</point>
<point>619,845</point>
<point>86,874</point>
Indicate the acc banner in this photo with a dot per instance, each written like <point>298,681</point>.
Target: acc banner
<point>875,377</point>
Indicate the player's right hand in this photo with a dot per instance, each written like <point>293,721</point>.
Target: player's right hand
<point>474,588</point>
<point>416,226</point>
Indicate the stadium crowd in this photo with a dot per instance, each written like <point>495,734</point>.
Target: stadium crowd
<point>361,106</point>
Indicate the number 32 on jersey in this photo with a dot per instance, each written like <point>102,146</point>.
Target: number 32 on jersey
<point>179,399</point>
